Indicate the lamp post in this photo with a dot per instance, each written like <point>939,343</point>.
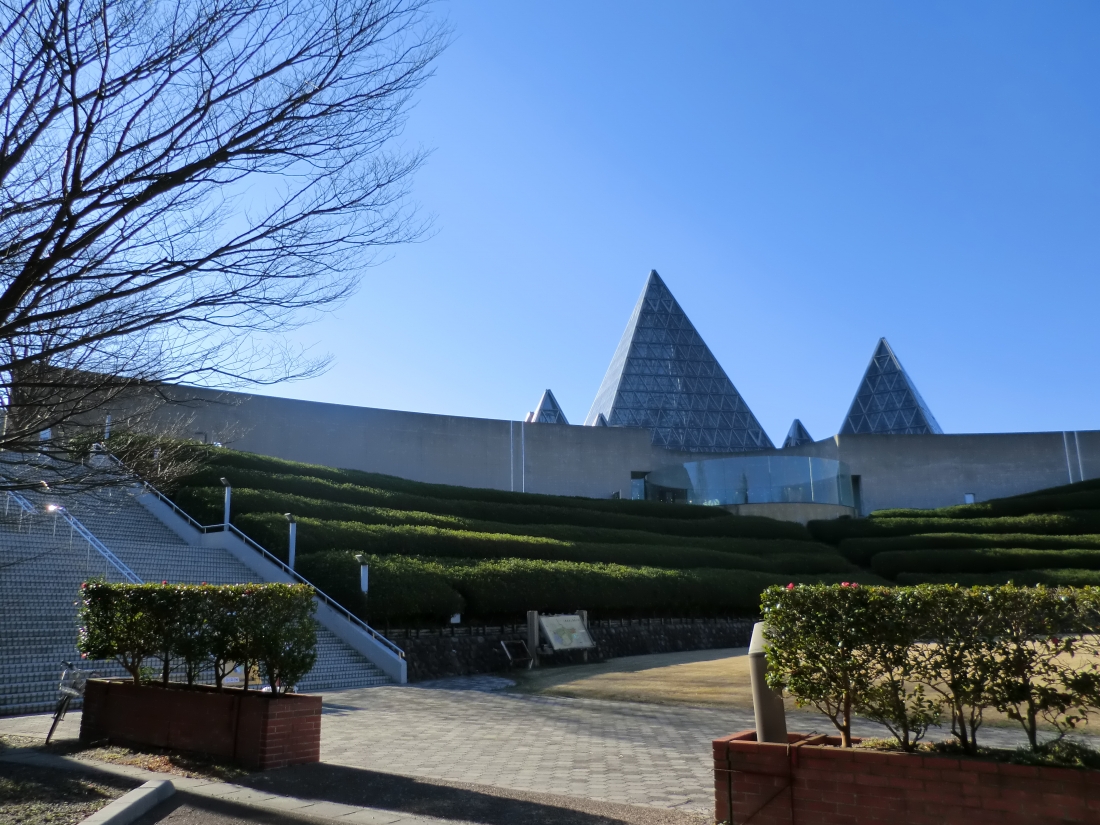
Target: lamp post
<point>293,538</point>
<point>228,499</point>
<point>364,573</point>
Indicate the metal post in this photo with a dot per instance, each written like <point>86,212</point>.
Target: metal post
<point>767,705</point>
<point>293,541</point>
<point>228,500</point>
<point>533,636</point>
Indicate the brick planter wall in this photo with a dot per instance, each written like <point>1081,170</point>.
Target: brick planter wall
<point>813,780</point>
<point>256,730</point>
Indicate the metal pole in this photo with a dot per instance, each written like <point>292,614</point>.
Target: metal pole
<point>228,500</point>
<point>767,705</point>
<point>293,539</point>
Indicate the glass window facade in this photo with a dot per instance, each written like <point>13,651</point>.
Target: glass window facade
<point>664,377</point>
<point>887,401</point>
<point>753,480</point>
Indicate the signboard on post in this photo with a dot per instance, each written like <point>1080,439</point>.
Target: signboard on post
<point>566,632</point>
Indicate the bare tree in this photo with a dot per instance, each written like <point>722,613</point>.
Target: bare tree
<point>183,181</point>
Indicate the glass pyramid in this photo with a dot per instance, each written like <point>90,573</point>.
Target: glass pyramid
<point>664,377</point>
<point>887,402</point>
<point>548,411</point>
<point>797,435</point>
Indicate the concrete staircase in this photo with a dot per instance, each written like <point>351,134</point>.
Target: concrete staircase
<point>43,562</point>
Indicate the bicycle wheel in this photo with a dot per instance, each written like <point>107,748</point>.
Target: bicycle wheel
<point>58,715</point>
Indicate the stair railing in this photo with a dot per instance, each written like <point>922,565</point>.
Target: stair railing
<point>259,548</point>
<point>26,507</point>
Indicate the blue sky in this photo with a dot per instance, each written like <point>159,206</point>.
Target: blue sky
<point>806,177</point>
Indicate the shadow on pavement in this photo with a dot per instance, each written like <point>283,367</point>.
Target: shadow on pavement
<point>471,803</point>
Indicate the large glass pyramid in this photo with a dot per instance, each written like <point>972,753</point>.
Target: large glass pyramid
<point>664,377</point>
<point>547,412</point>
<point>797,435</point>
<point>887,402</point>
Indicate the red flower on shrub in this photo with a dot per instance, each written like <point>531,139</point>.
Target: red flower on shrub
<point>790,586</point>
<point>844,584</point>
<point>165,581</point>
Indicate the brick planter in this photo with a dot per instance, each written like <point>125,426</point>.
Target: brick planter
<point>814,780</point>
<point>256,730</point>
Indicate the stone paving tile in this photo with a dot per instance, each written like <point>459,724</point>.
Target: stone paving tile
<point>623,752</point>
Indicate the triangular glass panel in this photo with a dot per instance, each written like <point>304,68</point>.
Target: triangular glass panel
<point>797,435</point>
<point>660,341</point>
<point>887,388</point>
<point>548,411</point>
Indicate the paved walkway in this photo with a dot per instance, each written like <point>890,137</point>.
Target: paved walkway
<point>470,732</point>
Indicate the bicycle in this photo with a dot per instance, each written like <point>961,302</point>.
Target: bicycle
<point>73,680</point>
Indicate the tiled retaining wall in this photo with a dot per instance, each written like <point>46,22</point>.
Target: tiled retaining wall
<point>813,780</point>
<point>465,650</point>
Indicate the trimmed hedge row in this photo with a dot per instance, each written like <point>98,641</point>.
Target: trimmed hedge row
<point>218,626</point>
<point>225,459</point>
<point>1082,522</point>
<point>1038,502</point>
<point>205,503</point>
<point>1050,578</point>
<point>907,656</point>
<point>406,589</point>
<point>314,535</point>
<point>861,551</point>
<point>990,560</point>
<point>507,513</point>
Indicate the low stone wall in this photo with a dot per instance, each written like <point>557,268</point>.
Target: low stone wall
<point>812,779</point>
<point>465,650</point>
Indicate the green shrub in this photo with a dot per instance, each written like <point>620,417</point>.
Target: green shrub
<point>861,551</point>
<point>993,560</point>
<point>316,536</point>
<point>401,589</point>
<point>880,651</point>
<point>205,504</point>
<point>1050,578</point>
<point>270,625</point>
<point>726,525</point>
<point>1083,522</point>
<point>220,460</point>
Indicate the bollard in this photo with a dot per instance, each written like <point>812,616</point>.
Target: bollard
<point>767,705</point>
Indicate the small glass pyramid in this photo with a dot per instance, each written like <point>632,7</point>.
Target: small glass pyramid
<point>548,411</point>
<point>797,435</point>
<point>664,377</point>
<point>887,402</point>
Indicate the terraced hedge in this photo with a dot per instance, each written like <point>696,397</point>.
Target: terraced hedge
<point>1027,578</point>
<point>219,461</point>
<point>205,504</point>
<point>316,535</point>
<point>437,550</point>
<point>403,588</point>
<point>861,551</point>
<point>889,565</point>
<point>724,525</point>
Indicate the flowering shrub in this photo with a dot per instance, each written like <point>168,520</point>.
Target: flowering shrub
<point>906,656</point>
<point>200,626</point>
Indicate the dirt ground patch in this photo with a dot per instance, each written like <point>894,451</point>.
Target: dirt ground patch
<point>703,678</point>
<point>38,796</point>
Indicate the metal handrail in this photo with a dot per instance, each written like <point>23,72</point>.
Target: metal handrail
<point>259,548</point>
<point>24,505</point>
<point>86,534</point>
<point>89,537</point>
